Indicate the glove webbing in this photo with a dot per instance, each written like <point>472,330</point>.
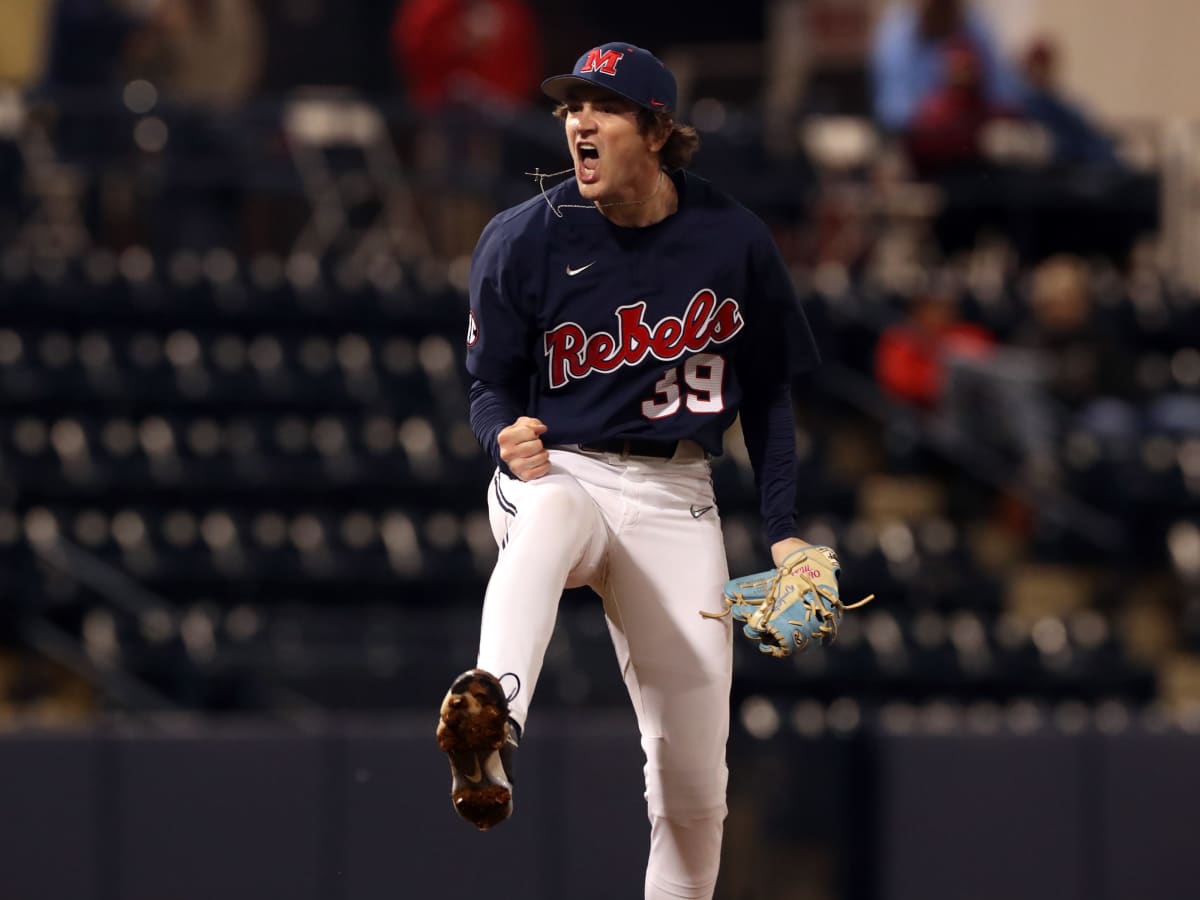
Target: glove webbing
<point>829,615</point>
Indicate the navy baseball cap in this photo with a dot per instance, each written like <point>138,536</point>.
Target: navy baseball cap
<point>624,69</point>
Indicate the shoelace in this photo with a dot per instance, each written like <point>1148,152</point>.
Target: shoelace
<point>516,690</point>
<point>515,728</point>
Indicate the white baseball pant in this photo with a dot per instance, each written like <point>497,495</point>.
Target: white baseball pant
<point>645,534</point>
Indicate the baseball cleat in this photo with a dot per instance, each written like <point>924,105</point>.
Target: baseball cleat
<point>477,735</point>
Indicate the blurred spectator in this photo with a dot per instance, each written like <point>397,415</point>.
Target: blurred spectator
<point>948,127</point>
<point>912,354</point>
<point>1076,139</point>
<point>466,50</point>
<point>1011,396</point>
<point>201,53</point>
<point>206,59</point>
<point>1056,366</point>
<point>84,42</point>
<point>909,64</point>
<point>1072,364</point>
<point>814,54</point>
<point>455,58</point>
<point>23,28</point>
<point>1084,359</point>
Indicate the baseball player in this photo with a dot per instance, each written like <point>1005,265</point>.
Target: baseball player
<point>619,322</point>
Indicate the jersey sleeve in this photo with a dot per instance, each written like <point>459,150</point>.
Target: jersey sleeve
<point>780,346</point>
<point>769,429</point>
<point>499,326</point>
<point>493,407</point>
<point>781,343</point>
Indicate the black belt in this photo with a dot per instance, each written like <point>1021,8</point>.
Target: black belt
<point>633,447</point>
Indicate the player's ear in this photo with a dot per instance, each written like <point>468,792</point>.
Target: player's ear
<point>657,137</point>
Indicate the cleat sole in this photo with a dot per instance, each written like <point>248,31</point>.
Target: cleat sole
<point>472,728</point>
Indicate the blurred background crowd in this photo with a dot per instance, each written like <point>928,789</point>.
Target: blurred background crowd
<point>235,468</point>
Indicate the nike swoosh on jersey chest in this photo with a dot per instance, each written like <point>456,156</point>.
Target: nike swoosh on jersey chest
<point>588,278</point>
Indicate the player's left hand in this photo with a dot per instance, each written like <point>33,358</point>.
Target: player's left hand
<point>786,608</point>
<point>781,550</point>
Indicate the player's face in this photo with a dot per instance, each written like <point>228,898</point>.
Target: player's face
<point>613,160</point>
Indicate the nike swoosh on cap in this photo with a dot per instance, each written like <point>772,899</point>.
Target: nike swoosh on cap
<point>571,271</point>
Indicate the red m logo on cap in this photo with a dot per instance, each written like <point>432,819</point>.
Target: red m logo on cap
<point>605,63</point>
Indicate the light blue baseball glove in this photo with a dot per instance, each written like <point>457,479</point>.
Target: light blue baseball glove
<point>787,608</point>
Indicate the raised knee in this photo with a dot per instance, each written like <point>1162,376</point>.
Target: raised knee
<point>560,502</point>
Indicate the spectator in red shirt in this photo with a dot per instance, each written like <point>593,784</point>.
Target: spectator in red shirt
<point>911,356</point>
<point>948,127</point>
<point>450,51</point>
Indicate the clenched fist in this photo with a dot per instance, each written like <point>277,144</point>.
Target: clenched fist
<point>521,448</point>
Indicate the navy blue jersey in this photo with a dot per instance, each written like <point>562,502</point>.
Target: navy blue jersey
<point>661,332</point>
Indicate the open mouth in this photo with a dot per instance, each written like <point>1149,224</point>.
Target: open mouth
<point>589,158</point>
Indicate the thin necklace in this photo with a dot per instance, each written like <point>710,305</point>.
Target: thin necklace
<point>541,177</point>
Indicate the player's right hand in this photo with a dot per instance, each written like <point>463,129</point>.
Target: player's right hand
<point>521,448</point>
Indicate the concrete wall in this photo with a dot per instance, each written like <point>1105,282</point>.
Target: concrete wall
<point>360,812</point>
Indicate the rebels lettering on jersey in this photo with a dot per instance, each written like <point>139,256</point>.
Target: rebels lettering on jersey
<point>573,353</point>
